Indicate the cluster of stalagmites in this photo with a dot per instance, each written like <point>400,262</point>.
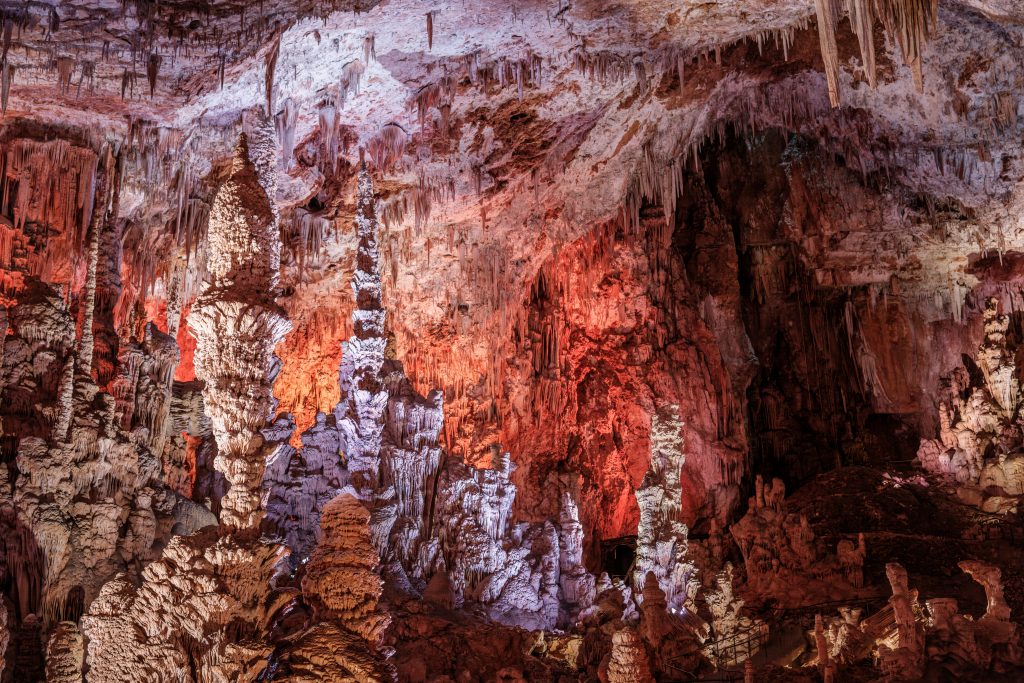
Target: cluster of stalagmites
<point>910,642</point>
<point>784,560</point>
<point>103,490</point>
<point>209,602</point>
<point>431,515</point>
<point>980,435</point>
<point>85,499</point>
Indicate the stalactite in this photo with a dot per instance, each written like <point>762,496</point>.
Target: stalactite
<point>6,79</point>
<point>911,23</point>
<point>862,21</point>
<point>152,69</point>
<point>273,52</point>
<point>285,123</point>
<point>387,147</point>
<point>51,184</point>
<point>370,48</point>
<point>825,10</point>
<point>307,236</point>
<point>65,66</point>
<point>350,81</point>
<point>602,66</point>
<point>329,136</point>
<point>127,83</point>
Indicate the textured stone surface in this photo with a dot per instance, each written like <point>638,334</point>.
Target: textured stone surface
<point>237,324</point>
<point>621,276</point>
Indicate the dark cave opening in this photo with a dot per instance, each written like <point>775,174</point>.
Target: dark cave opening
<point>617,556</point>
<point>809,406</point>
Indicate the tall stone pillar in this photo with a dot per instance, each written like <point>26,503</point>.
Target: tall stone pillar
<point>237,322</point>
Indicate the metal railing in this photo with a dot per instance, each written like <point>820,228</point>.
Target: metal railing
<point>739,646</point>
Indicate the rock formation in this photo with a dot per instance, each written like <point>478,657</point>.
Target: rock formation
<point>979,433</point>
<point>5,634</point>
<point>783,558</point>
<point>237,323</point>
<point>343,585</point>
<point>200,608</point>
<point>661,535</point>
<point>905,661</point>
<point>202,605</point>
<point>425,519</point>
<point>353,340</point>
<point>628,660</point>
<point>65,654</point>
<point>576,582</point>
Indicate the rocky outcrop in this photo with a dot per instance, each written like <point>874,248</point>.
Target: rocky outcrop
<point>201,607</point>
<point>782,557</point>
<point>979,433</point>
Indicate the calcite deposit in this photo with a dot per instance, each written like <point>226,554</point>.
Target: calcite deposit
<point>404,341</point>
<point>237,323</point>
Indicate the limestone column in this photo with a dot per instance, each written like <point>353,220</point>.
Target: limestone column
<point>364,397</point>
<point>237,322</point>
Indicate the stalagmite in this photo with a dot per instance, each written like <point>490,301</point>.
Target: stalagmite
<point>905,661</point>
<point>98,222</point>
<point>661,535</point>
<point>342,577</point>
<point>629,662</point>
<point>361,413</point>
<point>576,582</point>
<point>65,401</point>
<point>821,644</point>
<point>65,654</point>
<point>237,323</point>
<point>782,556</point>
